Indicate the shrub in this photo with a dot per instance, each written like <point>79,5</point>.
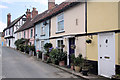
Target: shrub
<point>62,56</point>
<point>47,46</point>
<point>72,57</point>
<point>78,60</point>
<point>54,56</point>
<point>20,43</point>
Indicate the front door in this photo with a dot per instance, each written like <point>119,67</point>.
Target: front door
<point>9,43</point>
<point>71,51</point>
<point>106,54</point>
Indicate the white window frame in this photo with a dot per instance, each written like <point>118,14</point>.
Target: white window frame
<point>58,40</point>
<point>42,29</point>
<point>42,46</point>
<point>59,21</point>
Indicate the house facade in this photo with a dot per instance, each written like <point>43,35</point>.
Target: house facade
<point>27,31</point>
<point>103,20</point>
<point>10,37</point>
<point>41,34</point>
<point>64,27</point>
<point>42,27</point>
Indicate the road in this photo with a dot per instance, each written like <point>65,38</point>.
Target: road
<point>17,65</point>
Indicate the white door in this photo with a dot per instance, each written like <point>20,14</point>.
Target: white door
<point>106,54</point>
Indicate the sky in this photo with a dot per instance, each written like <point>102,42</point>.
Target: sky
<point>19,7</point>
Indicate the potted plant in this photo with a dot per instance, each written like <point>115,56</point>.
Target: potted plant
<point>72,57</point>
<point>47,47</point>
<point>54,56</point>
<point>78,62</point>
<point>86,67</point>
<point>39,54</point>
<point>62,57</point>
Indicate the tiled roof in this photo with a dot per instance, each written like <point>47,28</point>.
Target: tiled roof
<point>55,11</point>
<point>28,24</point>
<point>14,22</point>
<point>48,14</point>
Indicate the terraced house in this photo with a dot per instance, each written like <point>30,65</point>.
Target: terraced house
<point>43,26</point>
<point>11,28</point>
<point>102,26</point>
<point>87,28</point>
<point>65,25</point>
<point>27,30</point>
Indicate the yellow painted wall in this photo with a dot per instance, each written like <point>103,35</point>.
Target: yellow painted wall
<point>119,15</point>
<point>92,49</point>
<point>116,48</point>
<point>70,16</point>
<point>102,16</point>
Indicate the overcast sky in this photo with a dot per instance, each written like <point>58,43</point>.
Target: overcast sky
<point>19,7</point>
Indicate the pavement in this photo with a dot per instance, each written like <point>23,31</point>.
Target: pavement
<point>18,65</point>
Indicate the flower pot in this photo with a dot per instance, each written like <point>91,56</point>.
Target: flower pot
<point>45,57</point>
<point>77,68</point>
<point>85,72</point>
<point>62,63</point>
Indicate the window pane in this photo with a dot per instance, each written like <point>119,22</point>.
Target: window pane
<point>60,17</point>
<point>61,25</point>
<point>59,45</point>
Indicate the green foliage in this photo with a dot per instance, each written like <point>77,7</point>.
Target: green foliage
<point>62,56</point>
<point>40,54</point>
<point>72,57</point>
<point>48,60</point>
<point>78,61</point>
<point>47,46</point>
<point>86,64</point>
<point>56,56</point>
<point>32,48</point>
<point>20,42</point>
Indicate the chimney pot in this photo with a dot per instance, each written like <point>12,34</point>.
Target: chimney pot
<point>28,14</point>
<point>34,12</point>
<point>51,4</point>
<point>8,19</point>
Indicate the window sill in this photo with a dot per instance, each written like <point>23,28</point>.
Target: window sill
<point>60,32</point>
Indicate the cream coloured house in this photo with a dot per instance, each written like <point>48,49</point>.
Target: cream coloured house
<point>64,27</point>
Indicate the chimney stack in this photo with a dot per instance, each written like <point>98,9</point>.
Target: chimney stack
<point>34,12</point>
<point>28,14</point>
<point>8,19</point>
<point>51,4</point>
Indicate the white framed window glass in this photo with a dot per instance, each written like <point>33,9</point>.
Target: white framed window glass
<point>60,22</point>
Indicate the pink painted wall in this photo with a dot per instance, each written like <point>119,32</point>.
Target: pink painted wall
<point>31,38</point>
<point>28,35</point>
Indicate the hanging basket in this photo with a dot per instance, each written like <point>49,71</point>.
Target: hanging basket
<point>89,41</point>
